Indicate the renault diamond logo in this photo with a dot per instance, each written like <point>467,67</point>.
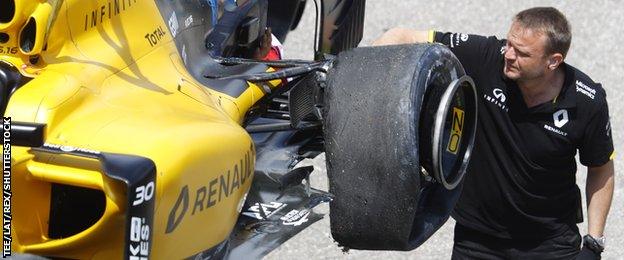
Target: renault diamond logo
<point>560,118</point>
<point>498,93</point>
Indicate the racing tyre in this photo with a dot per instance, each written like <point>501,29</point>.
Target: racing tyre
<point>399,127</point>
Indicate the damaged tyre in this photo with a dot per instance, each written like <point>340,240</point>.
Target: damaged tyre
<point>399,127</point>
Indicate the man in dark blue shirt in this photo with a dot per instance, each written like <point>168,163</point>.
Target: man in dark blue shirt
<point>520,199</point>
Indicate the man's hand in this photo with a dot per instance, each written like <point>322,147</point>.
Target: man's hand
<point>599,193</point>
<point>396,36</point>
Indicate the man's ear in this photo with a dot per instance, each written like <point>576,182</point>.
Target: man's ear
<point>555,60</point>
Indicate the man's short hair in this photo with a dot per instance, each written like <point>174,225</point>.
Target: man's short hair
<point>552,23</point>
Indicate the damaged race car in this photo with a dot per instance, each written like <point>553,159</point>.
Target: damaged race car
<point>153,129</point>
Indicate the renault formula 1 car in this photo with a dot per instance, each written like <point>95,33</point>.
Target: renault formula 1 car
<point>146,129</point>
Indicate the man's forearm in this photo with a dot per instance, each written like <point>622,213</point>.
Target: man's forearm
<point>402,36</point>
<point>599,192</point>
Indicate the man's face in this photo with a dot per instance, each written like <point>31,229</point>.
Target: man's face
<point>525,57</point>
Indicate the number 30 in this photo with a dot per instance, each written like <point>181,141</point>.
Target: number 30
<point>144,193</point>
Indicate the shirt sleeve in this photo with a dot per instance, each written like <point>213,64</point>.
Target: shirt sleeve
<point>597,145</point>
<point>473,51</point>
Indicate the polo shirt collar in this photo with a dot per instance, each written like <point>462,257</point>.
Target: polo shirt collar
<point>567,95</point>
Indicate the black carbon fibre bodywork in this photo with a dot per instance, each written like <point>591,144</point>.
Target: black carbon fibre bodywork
<point>278,206</point>
<point>27,134</point>
<point>284,16</point>
<point>277,154</point>
<point>200,39</point>
<point>342,26</point>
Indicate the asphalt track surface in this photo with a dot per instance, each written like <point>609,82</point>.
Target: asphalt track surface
<point>596,49</point>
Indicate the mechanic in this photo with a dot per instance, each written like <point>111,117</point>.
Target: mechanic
<point>520,199</point>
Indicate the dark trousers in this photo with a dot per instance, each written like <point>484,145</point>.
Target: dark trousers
<point>472,244</point>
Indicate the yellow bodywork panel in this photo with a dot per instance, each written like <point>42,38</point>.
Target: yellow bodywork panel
<point>99,83</point>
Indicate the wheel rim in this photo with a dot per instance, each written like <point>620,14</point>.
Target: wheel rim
<point>454,132</point>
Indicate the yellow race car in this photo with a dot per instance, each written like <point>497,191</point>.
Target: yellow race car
<point>143,129</point>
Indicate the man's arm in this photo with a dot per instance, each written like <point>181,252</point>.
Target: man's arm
<point>473,51</point>
<point>403,36</point>
<point>599,192</point>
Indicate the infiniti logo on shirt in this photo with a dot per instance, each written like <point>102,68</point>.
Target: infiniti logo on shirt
<point>498,99</point>
<point>498,93</point>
